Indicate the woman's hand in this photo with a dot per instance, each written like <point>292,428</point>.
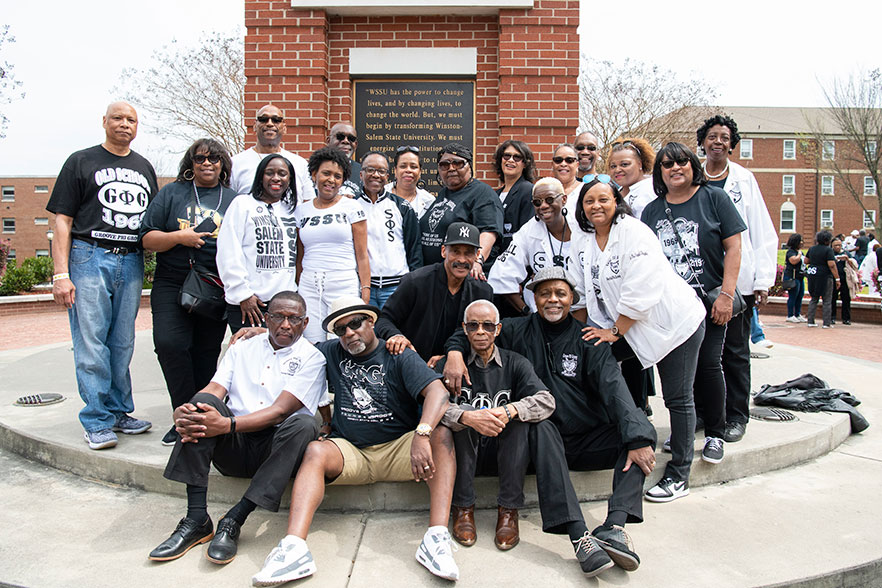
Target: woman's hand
<point>721,311</point>
<point>602,335</point>
<point>190,238</point>
<point>366,295</point>
<point>478,271</point>
<point>251,311</point>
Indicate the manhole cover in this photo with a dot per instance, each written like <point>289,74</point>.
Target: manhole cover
<point>758,355</point>
<point>768,413</point>
<point>39,399</point>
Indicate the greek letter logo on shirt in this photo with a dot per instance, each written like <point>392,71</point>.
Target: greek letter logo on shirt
<point>568,365</point>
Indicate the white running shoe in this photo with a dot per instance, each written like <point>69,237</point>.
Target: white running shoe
<point>793,319</point>
<point>436,553</point>
<point>764,343</point>
<point>802,319</point>
<point>290,560</point>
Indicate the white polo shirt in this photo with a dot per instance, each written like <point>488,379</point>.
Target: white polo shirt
<point>254,374</point>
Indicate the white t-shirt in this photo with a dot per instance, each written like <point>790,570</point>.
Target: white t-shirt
<point>326,234</point>
<point>639,195</point>
<point>245,165</point>
<point>421,202</point>
<point>254,374</point>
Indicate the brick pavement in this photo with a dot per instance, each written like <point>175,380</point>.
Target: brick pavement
<point>29,330</point>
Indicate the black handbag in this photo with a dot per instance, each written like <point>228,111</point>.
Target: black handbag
<point>788,284</point>
<point>202,292</point>
<point>739,305</point>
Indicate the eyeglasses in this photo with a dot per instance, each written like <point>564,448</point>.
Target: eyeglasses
<point>374,171</point>
<point>454,163</point>
<point>488,326</point>
<point>408,149</point>
<point>549,200</point>
<point>560,159</point>
<point>619,145</point>
<point>354,324</point>
<point>351,138</point>
<point>586,147</point>
<point>265,119</point>
<point>276,318</point>
<point>602,178</point>
<point>201,157</point>
<point>516,157</point>
<point>669,163</point>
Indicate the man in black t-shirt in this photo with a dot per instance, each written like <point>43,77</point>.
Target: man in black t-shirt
<point>99,199</point>
<point>378,434</point>
<point>861,247</point>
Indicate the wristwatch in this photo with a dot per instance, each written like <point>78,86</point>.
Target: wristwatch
<point>424,429</point>
<point>615,331</point>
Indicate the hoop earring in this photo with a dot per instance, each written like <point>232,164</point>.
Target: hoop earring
<point>223,176</point>
<point>190,177</point>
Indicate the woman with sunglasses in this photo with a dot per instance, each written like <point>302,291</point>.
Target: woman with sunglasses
<point>332,237</point>
<point>513,162</point>
<point>462,199</point>
<point>257,245</point>
<point>629,162</point>
<point>565,167</point>
<point>642,308</point>
<point>543,241</point>
<point>407,169</point>
<point>181,226</point>
<point>700,233</point>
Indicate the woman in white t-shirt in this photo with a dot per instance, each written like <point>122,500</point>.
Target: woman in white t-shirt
<point>332,255</point>
<point>629,162</point>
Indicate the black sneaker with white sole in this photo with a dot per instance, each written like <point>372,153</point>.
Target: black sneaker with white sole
<point>591,555</point>
<point>713,450</point>
<point>170,438</point>
<point>616,542</point>
<point>667,489</point>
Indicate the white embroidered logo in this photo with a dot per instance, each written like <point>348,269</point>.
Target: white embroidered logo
<point>464,232</point>
<point>568,365</point>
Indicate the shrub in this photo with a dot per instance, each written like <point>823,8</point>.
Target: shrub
<point>42,268</point>
<point>17,279</point>
<point>149,269</point>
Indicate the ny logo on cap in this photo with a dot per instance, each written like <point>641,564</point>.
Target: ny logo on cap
<point>464,232</point>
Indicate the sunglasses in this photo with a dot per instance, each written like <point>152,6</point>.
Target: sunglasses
<point>408,149</point>
<point>560,159</point>
<point>669,163</point>
<point>516,157</point>
<point>276,318</point>
<point>619,145</point>
<point>488,326</point>
<point>549,200</point>
<point>586,147</point>
<point>454,163</point>
<point>201,157</point>
<point>354,324</point>
<point>602,178</point>
<point>351,138</point>
<point>265,119</point>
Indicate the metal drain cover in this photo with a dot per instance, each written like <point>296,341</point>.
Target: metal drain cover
<point>768,413</point>
<point>758,355</point>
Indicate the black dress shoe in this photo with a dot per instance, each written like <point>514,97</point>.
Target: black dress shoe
<point>734,432</point>
<point>222,549</point>
<point>187,534</point>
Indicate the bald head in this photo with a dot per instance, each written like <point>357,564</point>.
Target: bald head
<point>343,137</point>
<point>120,124</point>
<point>269,126</point>
<point>586,149</point>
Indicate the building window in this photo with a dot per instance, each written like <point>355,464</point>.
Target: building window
<point>11,255</point>
<point>826,219</point>
<point>41,189</point>
<point>788,186</point>
<point>789,149</point>
<point>41,221</point>
<point>8,194</point>
<point>8,225</point>
<point>871,149</point>
<point>829,150</point>
<point>826,185</point>
<point>788,217</point>
<point>746,148</point>
<point>869,219</point>
<point>869,186</point>
<point>41,253</point>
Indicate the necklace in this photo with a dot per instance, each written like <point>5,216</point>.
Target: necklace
<point>714,177</point>
<point>557,259</point>
<point>220,199</point>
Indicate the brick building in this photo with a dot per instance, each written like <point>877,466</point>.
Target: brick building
<point>27,225</point>
<point>802,191</point>
<point>523,56</point>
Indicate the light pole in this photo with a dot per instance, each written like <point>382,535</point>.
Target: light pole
<point>49,235</point>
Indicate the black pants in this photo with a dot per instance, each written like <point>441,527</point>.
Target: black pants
<point>187,345</point>
<point>844,295</point>
<point>506,455</point>
<point>640,381</point>
<point>269,457</point>
<point>234,318</point>
<point>601,449</point>
<point>709,389</point>
<point>736,365</point>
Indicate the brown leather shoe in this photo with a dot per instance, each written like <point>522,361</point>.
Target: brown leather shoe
<point>507,533</point>
<point>463,528</point>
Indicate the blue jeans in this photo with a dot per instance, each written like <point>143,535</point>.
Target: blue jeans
<point>794,298</point>
<point>379,296</point>
<point>102,326</point>
<point>756,331</point>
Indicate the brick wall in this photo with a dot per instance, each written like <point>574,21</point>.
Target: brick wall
<point>29,205</point>
<point>525,88</point>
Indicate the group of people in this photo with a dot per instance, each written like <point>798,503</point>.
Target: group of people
<point>473,332</point>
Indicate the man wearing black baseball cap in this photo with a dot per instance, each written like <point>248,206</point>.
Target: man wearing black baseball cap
<point>429,304</point>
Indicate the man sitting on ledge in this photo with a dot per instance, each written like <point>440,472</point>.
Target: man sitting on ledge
<point>254,419</point>
<point>377,435</point>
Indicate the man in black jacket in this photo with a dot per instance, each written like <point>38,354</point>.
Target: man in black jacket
<point>596,418</point>
<point>430,302</point>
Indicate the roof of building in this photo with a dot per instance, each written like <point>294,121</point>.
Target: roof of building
<point>780,120</point>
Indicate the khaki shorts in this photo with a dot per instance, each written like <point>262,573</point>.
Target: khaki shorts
<point>386,462</point>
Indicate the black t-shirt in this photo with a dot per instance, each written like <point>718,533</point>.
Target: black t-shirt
<point>105,194</point>
<point>717,183</point>
<point>475,203</point>
<point>174,208</point>
<point>493,385</point>
<point>792,271</point>
<point>818,255</point>
<point>862,245</point>
<point>703,222</point>
<point>377,396</point>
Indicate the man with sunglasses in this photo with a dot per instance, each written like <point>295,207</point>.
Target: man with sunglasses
<point>491,417</point>
<point>387,410</point>
<point>343,137</point>
<point>269,126</point>
<point>586,148</point>
<point>254,420</point>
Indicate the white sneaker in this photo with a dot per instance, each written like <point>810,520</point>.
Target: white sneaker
<point>764,343</point>
<point>802,319</point>
<point>793,319</point>
<point>436,553</point>
<point>290,560</point>
<point>667,489</point>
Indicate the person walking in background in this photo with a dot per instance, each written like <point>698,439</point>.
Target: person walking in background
<point>823,277</point>
<point>793,279</point>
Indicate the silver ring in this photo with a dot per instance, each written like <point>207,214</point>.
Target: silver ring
<point>425,467</point>
<point>446,381</point>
